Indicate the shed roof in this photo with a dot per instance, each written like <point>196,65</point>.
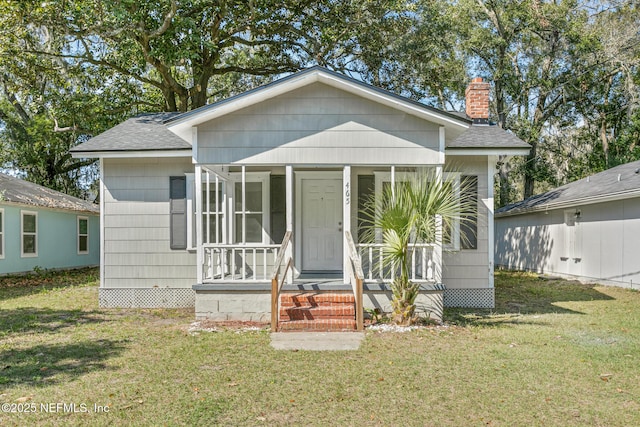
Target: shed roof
<point>146,132</point>
<point>617,183</point>
<point>14,190</point>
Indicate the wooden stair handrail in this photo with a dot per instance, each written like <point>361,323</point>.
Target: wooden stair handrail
<point>358,276</point>
<point>276,284</point>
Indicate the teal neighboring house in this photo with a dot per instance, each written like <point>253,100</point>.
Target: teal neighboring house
<point>44,229</point>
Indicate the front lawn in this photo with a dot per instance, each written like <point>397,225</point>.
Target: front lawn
<point>551,353</point>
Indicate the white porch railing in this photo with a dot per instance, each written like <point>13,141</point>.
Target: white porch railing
<point>238,262</point>
<point>421,263</point>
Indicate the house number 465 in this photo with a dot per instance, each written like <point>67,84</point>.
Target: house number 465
<point>347,194</point>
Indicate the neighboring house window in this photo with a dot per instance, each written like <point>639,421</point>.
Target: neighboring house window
<point>178,212</point>
<point>469,223</point>
<point>1,233</point>
<point>83,235</point>
<point>29,234</point>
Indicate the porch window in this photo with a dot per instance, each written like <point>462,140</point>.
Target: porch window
<point>469,224</point>
<point>451,232</point>
<point>252,213</point>
<point>213,212</point>
<point>224,212</point>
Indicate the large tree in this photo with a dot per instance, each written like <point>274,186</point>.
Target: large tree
<point>70,69</point>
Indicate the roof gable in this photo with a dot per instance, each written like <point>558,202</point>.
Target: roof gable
<point>181,125</point>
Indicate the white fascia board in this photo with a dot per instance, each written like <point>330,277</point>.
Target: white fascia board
<point>487,152</point>
<point>604,198</point>
<point>181,126</point>
<point>131,154</point>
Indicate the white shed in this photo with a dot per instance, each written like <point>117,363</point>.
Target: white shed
<point>588,229</point>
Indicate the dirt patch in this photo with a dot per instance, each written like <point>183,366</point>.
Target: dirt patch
<point>225,325</point>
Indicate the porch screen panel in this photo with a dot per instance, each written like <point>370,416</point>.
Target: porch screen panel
<point>278,206</point>
<point>213,211</point>
<point>469,218</point>
<point>178,212</point>
<point>252,214</point>
<point>366,187</point>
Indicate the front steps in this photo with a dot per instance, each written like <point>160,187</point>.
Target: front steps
<point>317,311</point>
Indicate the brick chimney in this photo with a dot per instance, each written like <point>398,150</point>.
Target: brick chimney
<point>477,101</point>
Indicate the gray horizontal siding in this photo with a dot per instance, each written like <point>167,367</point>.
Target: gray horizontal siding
<point>128,233</point>
<point>470,268</point>
<point>152,282</point>
<point>160,259</point>
<point>136,225</point>
<point>318,124</point>
<point>150,272</point>
<point>139,221</point>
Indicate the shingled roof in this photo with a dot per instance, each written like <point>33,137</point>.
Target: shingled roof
<point>487,136</point>
<point>14,190</point>
<point>146,132</point>
<point>150,132</point>
<point>616,183</point>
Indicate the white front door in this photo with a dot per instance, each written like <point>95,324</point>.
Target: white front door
<point>321,224</point>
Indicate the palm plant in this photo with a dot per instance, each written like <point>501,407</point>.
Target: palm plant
<point>406,214</point>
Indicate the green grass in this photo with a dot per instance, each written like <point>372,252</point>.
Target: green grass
<point>540,358</point>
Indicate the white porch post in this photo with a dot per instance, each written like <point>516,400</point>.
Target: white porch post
<point>437,251</point>
<point>102,236</point>
<point>491,170</point>
<point>199,248</point>
<point>289,215</point>
<point>346,220</point>
<point>393,182</point>
<point>244,204</point>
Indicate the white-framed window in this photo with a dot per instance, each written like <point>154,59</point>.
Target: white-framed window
<point>28,234</point>
<point>83,235</point>
<point>1,233</point>
<point>226,216</point>
<point>451,232</point>
<point>251,220</point>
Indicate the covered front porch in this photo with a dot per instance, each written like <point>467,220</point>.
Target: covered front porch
<point>263,231</point>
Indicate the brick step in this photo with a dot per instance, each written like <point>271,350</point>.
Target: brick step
<point>319,325</point>
<point>340,311</point>
<point>312,299</point>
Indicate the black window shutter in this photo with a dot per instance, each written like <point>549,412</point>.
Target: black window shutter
<point>178,212</point>
<point>469,218</point>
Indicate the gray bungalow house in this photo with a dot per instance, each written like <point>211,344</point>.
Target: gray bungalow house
<point>43,228</point>
<point>227,206</point>
<point>588,229</point>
